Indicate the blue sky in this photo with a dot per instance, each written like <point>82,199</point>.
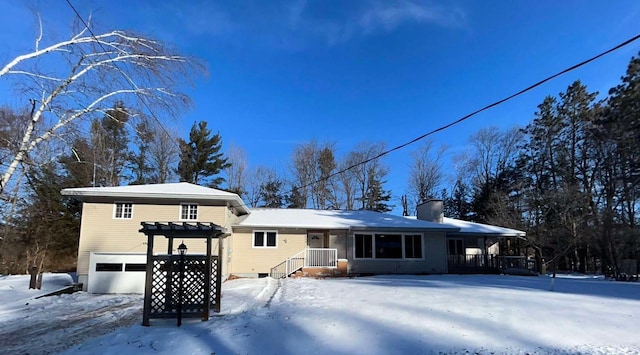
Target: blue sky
<point>285,72</point>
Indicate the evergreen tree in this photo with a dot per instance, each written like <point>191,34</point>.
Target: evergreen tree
<point>139,161</point>
<point>271,193</point>
<point>457,205</point>
<point>49,223</point>
<point>295,199</point>
<point>376,196</point>
<point>200,158</point>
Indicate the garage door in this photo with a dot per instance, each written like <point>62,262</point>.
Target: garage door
<point>116,273</point>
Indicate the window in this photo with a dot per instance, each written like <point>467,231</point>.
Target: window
<point>108,267</point>
<point>387,246</point>
<point>413,246</point>
<point>188,212</point>
<point>123,210</point>
<point>265,239</point>
<point>454,247</point>
<point>364,246</point>
<point>135,267</point>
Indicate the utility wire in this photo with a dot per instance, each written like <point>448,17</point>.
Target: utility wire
<point>496,103</point>
<point>127,79</point>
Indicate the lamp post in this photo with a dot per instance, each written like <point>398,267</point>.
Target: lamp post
<point>182,250</point>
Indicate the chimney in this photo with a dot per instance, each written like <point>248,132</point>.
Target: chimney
<point>431,211</point>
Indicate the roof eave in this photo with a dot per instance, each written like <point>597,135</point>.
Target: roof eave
<point>85,195</point>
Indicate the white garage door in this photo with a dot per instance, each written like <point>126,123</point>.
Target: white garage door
<point>116,273</point>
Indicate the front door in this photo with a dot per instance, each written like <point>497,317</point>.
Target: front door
<point>315,240</point>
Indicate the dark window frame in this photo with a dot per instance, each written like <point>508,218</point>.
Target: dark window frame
<point>373,240</point>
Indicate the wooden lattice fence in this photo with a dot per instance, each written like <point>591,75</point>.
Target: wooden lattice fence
<point>165,294</point>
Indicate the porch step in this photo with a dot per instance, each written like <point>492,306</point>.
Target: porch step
<point>340,271</point>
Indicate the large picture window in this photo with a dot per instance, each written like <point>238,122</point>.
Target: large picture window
<point>265,239</point>
<point>188,212</point>
<point>123,210</point>
<point>387,246</point>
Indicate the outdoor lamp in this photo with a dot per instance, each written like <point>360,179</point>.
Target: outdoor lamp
<point>182,249</point>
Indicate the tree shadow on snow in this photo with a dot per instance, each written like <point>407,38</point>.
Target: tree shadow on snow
<point>589,287</point>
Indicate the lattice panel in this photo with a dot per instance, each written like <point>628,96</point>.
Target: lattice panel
<point>165,294</point>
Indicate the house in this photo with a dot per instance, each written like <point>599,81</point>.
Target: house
<point>256,242</point>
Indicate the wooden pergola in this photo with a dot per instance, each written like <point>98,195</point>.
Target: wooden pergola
<point>160,299</point>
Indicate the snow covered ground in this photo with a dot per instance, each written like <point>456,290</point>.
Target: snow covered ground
<point>483,314</point>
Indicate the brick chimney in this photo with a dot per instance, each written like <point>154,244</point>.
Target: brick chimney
<point>431,211</point>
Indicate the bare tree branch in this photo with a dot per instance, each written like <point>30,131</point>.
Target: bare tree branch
<point>84,75</point>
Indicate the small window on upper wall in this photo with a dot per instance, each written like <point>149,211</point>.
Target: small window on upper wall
<point>188,212</point>
<point>123,210</point>
<point>265,239</point>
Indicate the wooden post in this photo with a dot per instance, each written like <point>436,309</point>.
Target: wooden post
<point>33,272</point>
<point>207,284</point>
<point>169,279</point>
<point>180,290</point>
<point>219,275</point>
<point>486,256</point>
<point>148,286</point>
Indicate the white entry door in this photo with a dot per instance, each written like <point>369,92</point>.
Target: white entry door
<point>315,240</point>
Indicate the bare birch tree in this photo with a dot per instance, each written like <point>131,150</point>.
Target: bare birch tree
<point>163,153</point>
<point>81,77</point>
<point>237,170</point>
<point>425,173</point>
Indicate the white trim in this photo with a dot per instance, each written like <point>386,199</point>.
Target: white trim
<point>403,246</point>
<point>189,204</point>
<point>175,191</point>
<point>123,203</point>
<point>264,241</point>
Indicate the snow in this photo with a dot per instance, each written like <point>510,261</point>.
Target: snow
<point>181,190</point>
<point>479,228</point>
<point>334,219</point>
<point>483,314</point>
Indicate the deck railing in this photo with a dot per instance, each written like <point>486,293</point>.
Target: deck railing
<point>321,257</point>
<point>489,263</point>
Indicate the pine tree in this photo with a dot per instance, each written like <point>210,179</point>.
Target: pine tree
<point>376,196</point>
<point>271,193</point>
<point>200,158</point>
<point>139,162</point>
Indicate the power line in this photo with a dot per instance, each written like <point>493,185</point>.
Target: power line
<point>127,79</point>
<point>496,103</point>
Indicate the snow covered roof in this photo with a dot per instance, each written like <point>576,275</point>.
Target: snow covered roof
<point>181,190</point>
<point>479,228</point>
<point>334,219</point>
